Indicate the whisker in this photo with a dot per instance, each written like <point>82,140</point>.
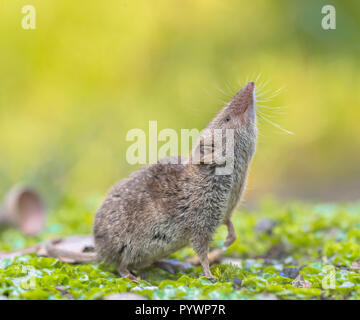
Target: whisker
<point>275,124</point>
<point>275,112</point>
<point>227,95</point>
<point>274,94</point>
<point>264,100</point>
<point>258,77</point>
<point>270,107</point>
<point>239,83</point>
<point>252,76</point>
<point>262,85</point>
<point>230,88</point>
<point>264,114</point>
<point>262,93</point>
<point>273,115</point>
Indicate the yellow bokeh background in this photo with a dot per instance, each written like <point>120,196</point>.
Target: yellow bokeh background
<point>72,88</point>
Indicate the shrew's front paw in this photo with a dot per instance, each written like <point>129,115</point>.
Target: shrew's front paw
<point>230,239</point>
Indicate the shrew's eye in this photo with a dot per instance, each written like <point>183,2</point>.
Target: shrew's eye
<point>227,119</point>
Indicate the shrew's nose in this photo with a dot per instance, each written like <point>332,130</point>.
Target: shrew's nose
<point>251,85</point>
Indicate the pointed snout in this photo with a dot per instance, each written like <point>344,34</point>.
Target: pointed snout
<point>244,99</point>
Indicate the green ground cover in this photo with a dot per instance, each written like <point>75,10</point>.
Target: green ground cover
<point>319,243</point>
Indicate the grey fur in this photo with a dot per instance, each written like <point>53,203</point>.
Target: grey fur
<point>163,207</point>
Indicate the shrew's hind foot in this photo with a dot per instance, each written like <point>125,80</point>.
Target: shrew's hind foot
<point>172,265</point>
<point>212,278</point>
<point>125,273</point>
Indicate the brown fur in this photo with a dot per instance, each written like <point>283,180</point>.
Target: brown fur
<point>163,207</point>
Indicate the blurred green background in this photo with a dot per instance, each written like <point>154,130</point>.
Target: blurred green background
<point>71,89</point>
